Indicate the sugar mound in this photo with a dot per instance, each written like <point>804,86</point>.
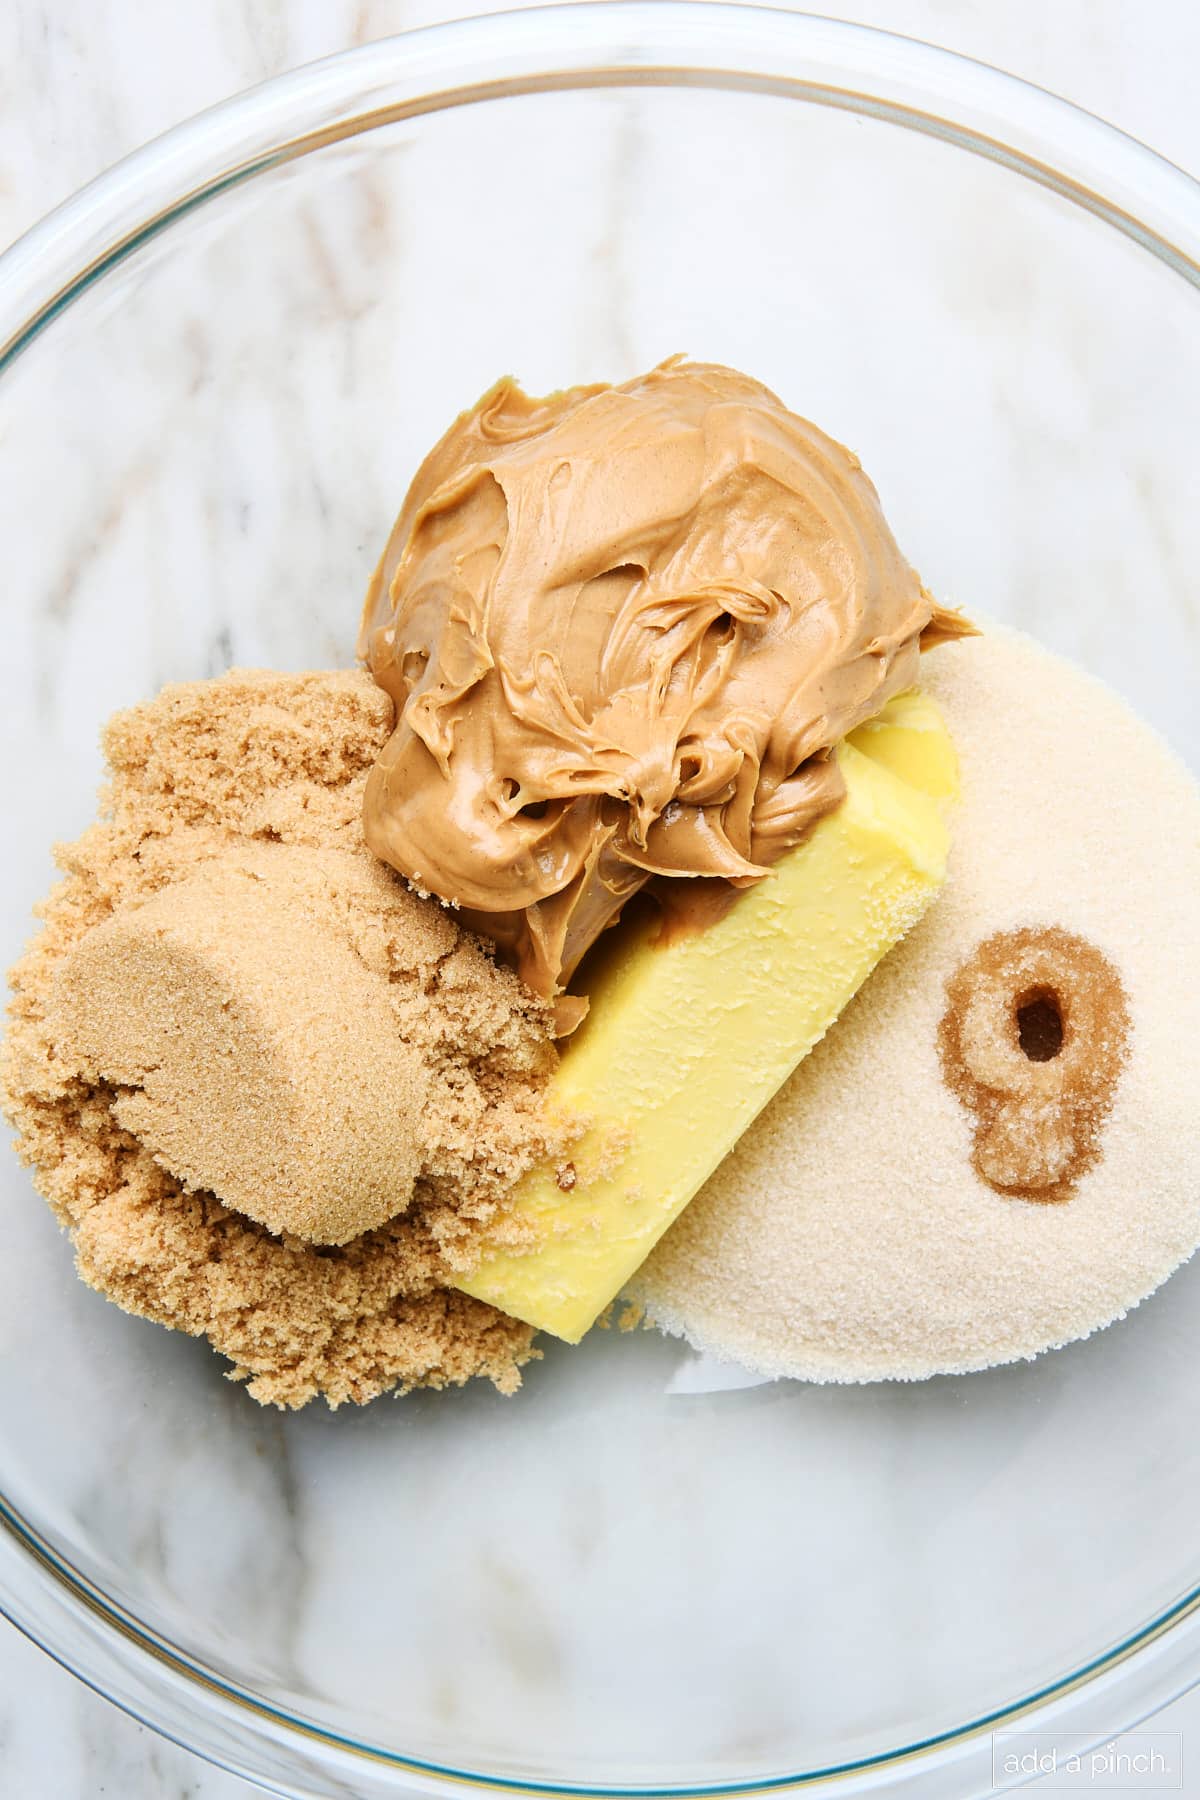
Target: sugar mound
<point>850,1236</point>
<point>261,776</point>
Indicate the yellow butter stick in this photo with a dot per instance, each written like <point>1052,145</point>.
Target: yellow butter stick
<point>687,1039</point>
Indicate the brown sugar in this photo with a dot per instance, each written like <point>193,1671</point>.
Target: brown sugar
<point>248,790</point>
<point>253,1052</point>
<point>1032,1042</point>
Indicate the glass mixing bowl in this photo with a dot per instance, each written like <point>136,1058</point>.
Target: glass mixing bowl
<point>220,364</point>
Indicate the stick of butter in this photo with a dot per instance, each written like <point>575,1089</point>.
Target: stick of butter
<point>687,1039</point>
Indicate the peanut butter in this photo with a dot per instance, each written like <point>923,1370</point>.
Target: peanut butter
<point>623,627</point>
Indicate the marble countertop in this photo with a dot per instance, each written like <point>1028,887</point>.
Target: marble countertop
<point>84,81</point>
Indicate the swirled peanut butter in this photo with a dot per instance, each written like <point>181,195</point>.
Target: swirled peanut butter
<point>623,628</point>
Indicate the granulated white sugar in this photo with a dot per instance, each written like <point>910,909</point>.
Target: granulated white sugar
<point>848,1237</point>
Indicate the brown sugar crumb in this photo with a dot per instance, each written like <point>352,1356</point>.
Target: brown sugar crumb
<point>248,771</point>
<point>1032,1042</point>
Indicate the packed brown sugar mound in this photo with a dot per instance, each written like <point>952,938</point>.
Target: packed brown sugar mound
<point>255,782</point>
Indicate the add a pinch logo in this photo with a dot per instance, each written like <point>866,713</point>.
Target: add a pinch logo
<point>1144,1762</point>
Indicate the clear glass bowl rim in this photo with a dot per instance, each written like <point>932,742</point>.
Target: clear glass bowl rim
<point>605,44</point>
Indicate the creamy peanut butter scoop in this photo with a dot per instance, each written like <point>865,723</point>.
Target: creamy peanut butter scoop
<point>623,628</point>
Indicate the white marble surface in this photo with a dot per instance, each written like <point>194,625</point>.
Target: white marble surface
<point>81,82</point>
